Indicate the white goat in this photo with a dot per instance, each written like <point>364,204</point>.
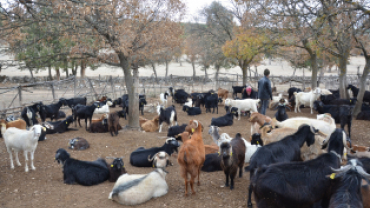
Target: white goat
<point>189,103</point>
<point>217,138</point>
<point>250,150</point>
<point>306,98</point>
<point>150,108</point>
<point>21,140</point>
<point>103,109</point>
<point>276,99</point>
<point>326,126</point>
<point>138,188</point>
<point>243,105</point>
<point>163,97</point>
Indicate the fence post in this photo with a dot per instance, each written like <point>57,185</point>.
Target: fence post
<point>92,89</point>
<point>111,83</point>
<point>20,95</point>
<point>52,90</point>
<point>237,79</point>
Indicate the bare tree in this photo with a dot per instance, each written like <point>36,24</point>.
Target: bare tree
<point>125,32</point>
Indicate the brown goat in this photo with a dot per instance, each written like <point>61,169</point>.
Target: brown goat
<point>257,120</point>
<point>222,93</point>
<point>209,149</point>
<point>151,125</point>
<point>233,156</point>
<point>78,143</point>
<point>113,122</point>
<point>192,155</point>
<point>142,120</point>
<point>104,116</point>
<point>20,124</point>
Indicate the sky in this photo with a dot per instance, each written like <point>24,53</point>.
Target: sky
<point>193,6</point>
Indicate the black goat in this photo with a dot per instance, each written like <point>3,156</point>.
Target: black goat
<point>174,131</point>
<point>285,150</point>
<point>365,107</point>
<point>351,101</point>
<point>298,184</point>
<point>237,89</point>
<point>292,90</point>
<point>256,139</point>
<point>51,111</point>
<point>74,101</point>
<point>58,126</point>
<point>226,120</point>
<point>281,113</point>
<point>355,92</point>
<point>167,115</point>
<point>116,169</point>
<point>342,114</point>
<point>363,115</point>
<point>139,157</point>
<point>197,99</point>
<point>335,93</point>
<point>180,96</point>
<point>86,173</point>
<point>346,191</point>
<point>233,156</point>
<point>83,112</point>
<point>142,102</point>
<point>61,114</point>
<point>326,99</point>
<point>211,101</point>
<point>28,114</point>
<point>191,110</point>
<point>212,163</point>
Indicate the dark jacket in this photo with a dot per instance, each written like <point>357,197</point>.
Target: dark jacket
<point>245,95</point>
<point>264,89</point>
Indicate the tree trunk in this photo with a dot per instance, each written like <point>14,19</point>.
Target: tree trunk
<point>313,58</point>
<point>165,78</point>
<point>155,72</point>
<point>362,86</point>
<point>194,72</point>
<point>83,68</point>
<point>245,75</point>
<point>57,73</point>
<point>205,74</point>
<point>343,78</point>
<point>31,72</point>
<point>217,71</point>
<point>133,116</point>
<point>49,71</point>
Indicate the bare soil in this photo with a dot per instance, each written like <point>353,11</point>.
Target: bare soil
<point>45,188</point>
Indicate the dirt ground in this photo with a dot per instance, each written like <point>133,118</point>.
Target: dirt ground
<point>45,188</point>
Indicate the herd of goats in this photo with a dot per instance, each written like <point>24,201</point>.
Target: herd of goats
<point>293,162</point>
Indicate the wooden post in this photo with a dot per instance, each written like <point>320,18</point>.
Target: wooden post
<point>112,85</point>
<point>52,90</point>
<point>237,79</point>
<point>20,95</point>
<point>92,90</point>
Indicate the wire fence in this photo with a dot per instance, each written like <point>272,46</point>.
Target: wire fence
<point>15,98</point>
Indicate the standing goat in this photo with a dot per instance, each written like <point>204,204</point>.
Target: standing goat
<point>21,140</point>
<point>167,115</point>
<point>192,155</point>
<point>233,155</point>
<point>285,150</point>
<point>306,98</point>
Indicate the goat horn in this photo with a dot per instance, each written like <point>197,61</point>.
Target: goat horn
<point>150,159</point>
<point>322,134</point>
<point>345,141</point>
<point>195,121</point>
<point>341,170</point>
<point>361,171</point>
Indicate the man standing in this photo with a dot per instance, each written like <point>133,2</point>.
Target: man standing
<point>264,91</point>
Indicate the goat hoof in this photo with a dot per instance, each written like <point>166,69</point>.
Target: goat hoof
<point>11,167</point>
<point>198,184</point>
<point>33,168</point>
<point>26,170</point>
<point>231,187</point>
<point>19,164</point>
<point>249,205</point>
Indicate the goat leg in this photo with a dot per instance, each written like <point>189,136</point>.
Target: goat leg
<point>199,175</point>
<point>241,171</point>
<point>10,157</point>
<point>26,161</point>
<point>192,184</point>
<point>250,196</point>
<point>227,179</point>
<point>232,176</point>
<point>32,156</point>
<point>17,159</point>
